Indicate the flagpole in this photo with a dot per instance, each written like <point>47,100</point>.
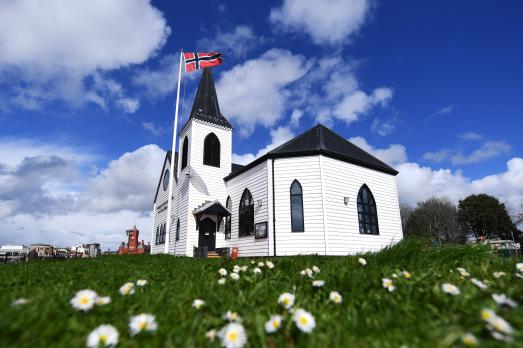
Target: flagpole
<point>173,158</point>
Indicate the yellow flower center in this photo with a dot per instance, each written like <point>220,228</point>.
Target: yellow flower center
<point>232,336</point>
<point>142,325</point>
<point>303,320</point>
<point>286,301</point>
<point>486,315</point>
<point>84,300</point>
<point>276,324</point>
<point>103,338</point>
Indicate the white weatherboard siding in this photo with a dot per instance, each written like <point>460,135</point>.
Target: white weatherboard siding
<point>307,171</point>
<point>256,181</point>
<point>206,182</point>
<point>160,212</point>
<point>342,179</point>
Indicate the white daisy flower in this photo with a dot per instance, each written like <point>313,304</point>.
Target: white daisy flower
<point>362,261</point>
<point>197,303</point>
<point>406,274</point>
<point>304,320</point>
<point>127,289</point>
<point>478,283</point>
<point>222,281</point>
<point>141,282</point>
<point>261,264</point>
<point>105,335</point>
<point>501,325</point>
<point>450,289</point>
<point>103,300</point>
<point>498,275</point>
<point>252,262</point>
<point>499,336</point>
<point>318,283</point>
<point>469,340</point>
<point>84,300</point>
<point>235,276</point>
<point>244,268</point>
<point>273,324</point>
<point>488,314</point>
<point>463,272</point>
<point>233,335</point>
<point>519,266</point>
<point>387,284</point>
<point>335,297</point>
<point>286,300</point>
<point>503,300</point>
<point>315,269</point>
<point>19,302</point>
<point>211,335</point>
<point>394,275</point>
<point>232,316</point>
<point>236,269</point>
<point>269,264</point>
<point>142,322</point>
<point>223,272</point>
<point>519,275</point>
<point>257,270</point>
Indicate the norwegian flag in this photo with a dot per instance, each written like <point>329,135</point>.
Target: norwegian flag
<point>200,60</point>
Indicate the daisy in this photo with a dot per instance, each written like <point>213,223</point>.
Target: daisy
<point>308,272</point>
<point>450,289</point>
<point>463,272</point>
<point>519,266</point>
<point>84,300</point>
<point>233,335</point>
<point>211,335</point>
<point>223,272</point>
<point>502,299</point>
<point>335,297</point>
<point>387,284</point>
<point>257,270</point>
<point>469,340</point>
<point>315,269</point>
<point>406,274</point>
<point>478,283</point>
<point>197,303</point>
<point>244,268</point>
<point>498,275</point>
<point>261,264</point>
<point>19,302</point>
<point>141,282</point>
<point>127,289</point>
<point>304,320</point>
<point>235,269</point>
<point>286,300</point>
<point>519,275</point>
<point>394,275</point>
<point>103,300</point>
<point>318,283</point>
<point>499,336</point>
<point>269,264</point>
<point>487,314</point>
<point>362,261</point>
<point>142,322</point>
<point>235,276</point>
<point>232,316</point>
<point>496,323</point>
<point>222,281</point>
<point>273,324</point>
<point>105,335</point>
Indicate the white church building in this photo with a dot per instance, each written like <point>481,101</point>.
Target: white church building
<point>316,194</point>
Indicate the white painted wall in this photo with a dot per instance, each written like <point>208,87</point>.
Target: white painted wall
<point>160,212</point>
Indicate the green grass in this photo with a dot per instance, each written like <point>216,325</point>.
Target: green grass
<point>417,314</point>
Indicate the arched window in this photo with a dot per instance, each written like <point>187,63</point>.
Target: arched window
<point>211,150</point>
<point>157,235</point>
<point>367,214</point>
<point>246,215</point>
<point>178,229</point>
<point>166,180</point>
<point>297,224</point>
<point>185,150</point>
<point>228,205</point>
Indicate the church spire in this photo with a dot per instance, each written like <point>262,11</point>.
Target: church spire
<point>205,106</point>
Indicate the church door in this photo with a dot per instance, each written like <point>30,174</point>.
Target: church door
<point>207,237</point>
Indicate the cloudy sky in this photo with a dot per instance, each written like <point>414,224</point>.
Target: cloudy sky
<point>87,89</point>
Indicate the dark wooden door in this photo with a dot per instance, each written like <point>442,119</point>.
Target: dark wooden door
<point>207,236</point>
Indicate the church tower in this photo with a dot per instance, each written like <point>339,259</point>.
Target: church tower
<point>205,148</point>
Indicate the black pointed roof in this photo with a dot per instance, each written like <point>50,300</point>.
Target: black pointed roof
<point>321,140</point>
<point>205,106</point>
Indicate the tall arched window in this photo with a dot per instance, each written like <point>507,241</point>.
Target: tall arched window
<point>367,214</point>
<point>228,205</point>
<point>297,224</point>
<point>178,229</point>
<point>211,150</point>
<point>185,150</point>
<point>246,215</point>
<point>157,235</point>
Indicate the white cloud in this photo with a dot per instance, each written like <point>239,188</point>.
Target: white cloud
<point>393,155</point>
<point>154,129</point>
<point>488,150</point>
<point>279,136</point>
<point>444,111</point>
<point>359,103</point>
<point>236,43</point>
<point>383,127</point>
<point>158,83</point>
<point>470,136</point>
<point>255,92</point>
<point>51,47</point>
<point>326,21</point>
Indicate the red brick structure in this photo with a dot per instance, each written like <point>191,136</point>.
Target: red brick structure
<point>133,245</point>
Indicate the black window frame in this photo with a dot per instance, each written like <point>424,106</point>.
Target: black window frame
<point>368,222</point>
<point>228,219</point>
<point>211,150</point>
<point>165,181</point>
<point>185,152</point>
<point>296,198</point>
<point>157,236</point>
<point>246,215</point>
<point>177,229</point>
<point>161,235</point>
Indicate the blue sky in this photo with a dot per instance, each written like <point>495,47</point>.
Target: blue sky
<point>87,92</point>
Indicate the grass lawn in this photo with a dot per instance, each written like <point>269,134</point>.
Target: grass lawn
<point>417,314</point>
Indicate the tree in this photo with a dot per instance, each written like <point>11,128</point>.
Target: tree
<point>484,216</point>
<point>405,213</point>
<point>436,218</point>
